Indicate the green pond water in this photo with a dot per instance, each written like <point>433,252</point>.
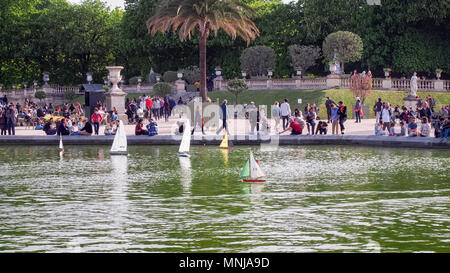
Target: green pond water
<point>316,199</point>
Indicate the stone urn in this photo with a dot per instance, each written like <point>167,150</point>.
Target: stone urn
<point>116,97</point>
<point>438,74</point>
<point>387,72</point>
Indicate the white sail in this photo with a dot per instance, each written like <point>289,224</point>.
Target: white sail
<point>186,141</point>
<point>120,140</point>
<point>61,146</point>
<point>255,170</point>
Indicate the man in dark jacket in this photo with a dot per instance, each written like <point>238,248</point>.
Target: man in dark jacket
<point>86,130</point>
<point>342,113</point>
<point>11,120</point>
<point>224,116</point>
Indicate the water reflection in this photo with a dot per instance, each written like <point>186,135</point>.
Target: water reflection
<point>186,173</point>
<point>316,199</point>
<point>224,153</point>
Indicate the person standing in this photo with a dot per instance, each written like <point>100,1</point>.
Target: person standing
<point>386,114</point>
<point>328,104</point>
<point>335,119</point>
<point>377,109</point>
<point>224,116</point>
<point>198,120</point>
<point>276,114</point>
<point>285,110</point>
<point>342,113</point>
<point>252,117</point>
<point>311,120</point>
<point>358,111</point>
<point>11,120</point>
<point>96,119</point>
<point>3,122</point>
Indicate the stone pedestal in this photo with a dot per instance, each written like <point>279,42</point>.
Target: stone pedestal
<point>387,83</point>
<point>116,97</point>
<point>298,83</point>
<point>180,86</point>
<point>410,101</point>
<point>333,81</point>
<point>218,83</point>
<point>269,84</point>
<point>439,85</point>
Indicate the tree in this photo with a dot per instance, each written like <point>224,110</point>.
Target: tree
<point>204,16</point>
<point>303,57</point>
<point>257,60</point>
<point>40,95</point>
<point>69,95</point>
<point>162,89</point>
<point>347,45</point>
<point>236,87</point>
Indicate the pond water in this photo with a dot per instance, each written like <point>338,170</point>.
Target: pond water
<point>316,199</point>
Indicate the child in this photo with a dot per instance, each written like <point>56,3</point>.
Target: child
<point>392,129</point>
<point>379,128</point>
<point>403,129</point>
<point>152,128</point>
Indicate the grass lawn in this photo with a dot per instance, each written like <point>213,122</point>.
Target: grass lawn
<point>268,97</point>
<point>393,97</point>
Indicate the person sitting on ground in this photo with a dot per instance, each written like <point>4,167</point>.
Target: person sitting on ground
<point>109,129</point>
<point>392,129</point>
<point>379,128</point>
<point>48,128</point>
<point>412,127</point>
<point>152,128</point>
<point>438,126</point>
<point>425,128</point>
<point>87,129</point>
<point>140,128</point>
<point>403,129</point>
<point>446,129</point>
<point>295,128</point>
<point>63,129</point>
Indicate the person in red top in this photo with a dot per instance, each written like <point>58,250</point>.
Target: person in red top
<point>294,126</point>
<point>149,105</point>
<point>96,119</point>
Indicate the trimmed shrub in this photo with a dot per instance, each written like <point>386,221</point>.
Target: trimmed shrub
<point>40,95</point>
<point>162,89</point>
<point>191,88</point>
<point>170,76</point>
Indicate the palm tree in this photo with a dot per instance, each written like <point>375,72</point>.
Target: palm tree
<point>204,16</point>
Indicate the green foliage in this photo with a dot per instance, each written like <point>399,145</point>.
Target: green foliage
<point>40,95</point>
<point>170,76</point>
<point>162,89</point>
<point>191,88</point>
<point>191,74</point>
<point>303,57</point>
<point>257,60</point>
<point>236,87</point>
<point>69,95</point>
<point>348,46</point>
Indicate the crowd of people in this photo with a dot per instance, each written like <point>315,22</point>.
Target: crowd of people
<point>388,118</point>
<point>70,119</point>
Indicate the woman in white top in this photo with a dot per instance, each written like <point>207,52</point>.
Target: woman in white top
<point>425,128</point>
<point>386,116</point>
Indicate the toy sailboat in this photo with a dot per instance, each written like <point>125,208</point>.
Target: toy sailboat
<point>61,146</point>
<point>251,171</point>
<point>226,143</point>
<point>119,146</point>
<point>186,141</point>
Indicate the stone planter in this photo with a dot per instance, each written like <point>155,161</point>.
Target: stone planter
<point>438,75</point>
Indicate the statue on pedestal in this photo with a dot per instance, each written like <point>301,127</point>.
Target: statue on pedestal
<point>413,91</point>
